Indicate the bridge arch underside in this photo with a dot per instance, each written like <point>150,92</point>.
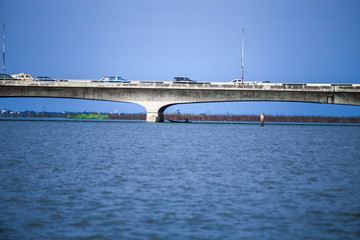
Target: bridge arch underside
<point>156,100</point>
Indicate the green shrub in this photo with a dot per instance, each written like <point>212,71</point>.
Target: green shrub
<point>89,116</point>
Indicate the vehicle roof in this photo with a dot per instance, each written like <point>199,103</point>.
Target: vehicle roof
<point>22,74</point>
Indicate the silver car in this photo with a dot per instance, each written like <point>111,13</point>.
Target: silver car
<point>183,80</point>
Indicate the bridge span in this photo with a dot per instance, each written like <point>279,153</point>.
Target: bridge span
<point>155,97</point>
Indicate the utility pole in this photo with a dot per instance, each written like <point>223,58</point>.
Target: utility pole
<point>3,48</point>
<point>242,58</point>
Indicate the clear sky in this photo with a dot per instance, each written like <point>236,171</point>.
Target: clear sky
<point>293,41</point>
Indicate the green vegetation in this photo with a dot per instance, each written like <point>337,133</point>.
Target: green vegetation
<point>88,116</point>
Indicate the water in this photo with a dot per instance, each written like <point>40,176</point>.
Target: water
<point>121,180</point>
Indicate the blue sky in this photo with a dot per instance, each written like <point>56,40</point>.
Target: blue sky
<point>294,41</point>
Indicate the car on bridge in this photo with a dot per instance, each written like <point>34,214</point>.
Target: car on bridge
<point>4,76</point>
<point>268,83</point>
<point>23,77</point>
<point>44,78</point>
<point>264,82</point>
<point>237,81</point>
<point>240,81</point>
<point>114,79</point>
<point>183,80</point>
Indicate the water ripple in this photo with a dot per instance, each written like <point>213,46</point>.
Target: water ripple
<point>106,180</point>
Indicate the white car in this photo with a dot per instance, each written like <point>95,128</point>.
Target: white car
<point>264,82</point>
<point>114,79</point>
<point>23,77</point>
<point>240,81</point>
<point>268,83</point>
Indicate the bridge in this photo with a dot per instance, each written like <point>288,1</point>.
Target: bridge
<point>155,97</point>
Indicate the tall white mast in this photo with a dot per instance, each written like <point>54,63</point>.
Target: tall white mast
<point>242,57</point>
<point>3,48</point>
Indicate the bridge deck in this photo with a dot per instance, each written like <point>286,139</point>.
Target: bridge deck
<point>213,86</point>
<point>155,97</point>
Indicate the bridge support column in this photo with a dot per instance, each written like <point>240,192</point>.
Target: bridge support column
<point>155,111</point>
<point>153,117</point>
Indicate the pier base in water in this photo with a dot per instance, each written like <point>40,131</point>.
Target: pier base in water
<point>153,117</point>
<point>262,117</point>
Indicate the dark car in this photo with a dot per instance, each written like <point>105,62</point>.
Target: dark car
<point>6,77</point>
<point>44,78</point>
<point>183,80</point>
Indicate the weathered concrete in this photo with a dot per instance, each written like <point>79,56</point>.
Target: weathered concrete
<point>156,97</point>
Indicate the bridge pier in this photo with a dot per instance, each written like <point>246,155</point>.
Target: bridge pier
<point>153,117</point>
<point>154,111</point>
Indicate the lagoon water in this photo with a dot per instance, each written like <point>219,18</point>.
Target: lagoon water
<point>133,180</point>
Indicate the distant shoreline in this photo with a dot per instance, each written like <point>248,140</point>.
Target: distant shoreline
<point>190,117</point>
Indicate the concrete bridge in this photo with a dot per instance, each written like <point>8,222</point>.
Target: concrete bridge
<point>155,97</point>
